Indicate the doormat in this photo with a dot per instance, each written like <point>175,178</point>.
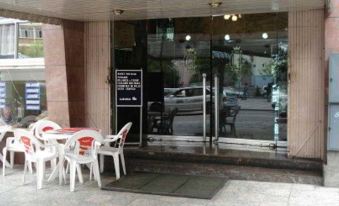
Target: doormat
<point>168,185</point>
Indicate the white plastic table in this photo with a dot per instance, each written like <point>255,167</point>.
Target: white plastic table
<point>62,135</point>
<point>58,135</point>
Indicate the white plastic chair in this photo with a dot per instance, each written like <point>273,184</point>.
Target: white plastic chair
<point>81,149</point>
<point>3,131</point>
<point>13,145</point>
<point>116,150</point>
<point>35,152</point>
<point>42,126</point>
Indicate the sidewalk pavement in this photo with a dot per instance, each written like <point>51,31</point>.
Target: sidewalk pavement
<point>234,193</point>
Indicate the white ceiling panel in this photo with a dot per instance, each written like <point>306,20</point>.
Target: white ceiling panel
<point>94,10</point>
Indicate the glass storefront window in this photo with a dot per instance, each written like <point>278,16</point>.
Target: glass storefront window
<point>248,58</point>
<point>22,78</point>
<point>22,102</point>
<point>20,39</point>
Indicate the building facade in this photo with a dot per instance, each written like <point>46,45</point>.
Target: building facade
<point>265,65</point>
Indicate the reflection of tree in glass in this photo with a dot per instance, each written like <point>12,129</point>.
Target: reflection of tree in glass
<point>278,66</point>
<point>170,74</point>
<point>202,65</point>
<point>238,71</point>
<point>34,49</point>
<point>190,58</point>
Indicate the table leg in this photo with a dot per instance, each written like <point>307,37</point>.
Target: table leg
<point>61,163</point>
<point>59,169</point>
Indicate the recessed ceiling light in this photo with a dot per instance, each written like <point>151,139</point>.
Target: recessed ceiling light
<point>264,35</point>
<point>275,5</point>
<point>118,12</point>
<point>227,16</point>
<point>188,37</point>
<point>234,18</point>
<point>227,37</point>
<point>215,4</point>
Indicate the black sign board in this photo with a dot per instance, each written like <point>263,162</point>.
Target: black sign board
<point>128,88</point>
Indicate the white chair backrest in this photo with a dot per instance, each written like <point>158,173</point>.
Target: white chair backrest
<point>31,144</point>
<point>42,126</point>
<point>82,143</point>
<point>122,135</point>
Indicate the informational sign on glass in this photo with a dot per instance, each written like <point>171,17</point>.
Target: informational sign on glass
<point>128,93</point>
<point>128,88</point>
<point>2,94</point>
<point>32,96</point>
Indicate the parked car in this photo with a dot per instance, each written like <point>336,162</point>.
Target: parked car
<point>191,99</point>
<point>187,99</point>
<point>169,91</point>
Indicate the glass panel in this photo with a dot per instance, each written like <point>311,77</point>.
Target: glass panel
<point>129,53</point>
<point>250,59</point>
<point>30,43</point>
<point>22,86</point>
<point>178,55</point>
<point>7,41</point>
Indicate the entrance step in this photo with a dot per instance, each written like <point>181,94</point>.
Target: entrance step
<point>195,153</point>
<point>226,171</point>
<point>220,162</point>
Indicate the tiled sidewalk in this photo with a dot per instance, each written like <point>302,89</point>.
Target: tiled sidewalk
<point>237,193</point>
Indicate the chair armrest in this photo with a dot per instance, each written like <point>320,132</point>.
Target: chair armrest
<point>9,140</point>
<point>111,138</point>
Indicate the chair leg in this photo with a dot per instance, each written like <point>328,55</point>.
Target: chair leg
<point>72,175</point>
<point>67,167</point>
<point>12,159</point>
<point>90,171</point>
<point>102,162</point>
<point>81,179</point>
<point>64,174</point>
<point>116,166</point>
<point>30,167</point>
<point>4,153</point>
<point>97,172</point>
<point>123,162</point>
<point>40,173</point>
<point>25,168</point>
<point>53,164</point>
<point>233,130</point>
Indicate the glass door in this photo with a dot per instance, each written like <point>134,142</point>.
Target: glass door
<point>178,59</point>
<point>249,54</point>
<point>223,76</point>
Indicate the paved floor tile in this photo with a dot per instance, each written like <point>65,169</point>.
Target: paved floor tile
<point>234,193</point>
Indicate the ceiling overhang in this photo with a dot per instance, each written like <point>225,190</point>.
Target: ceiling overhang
<point>95,10</point>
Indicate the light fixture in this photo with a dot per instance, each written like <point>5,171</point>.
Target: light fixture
<point>264,35</point>
<point>118,12</point>
<point>227,16</point>
<point>215,4</point>
<point>275,5</point>
<point>227,37</point>
<point>234,18</point>
<point>188,37</point>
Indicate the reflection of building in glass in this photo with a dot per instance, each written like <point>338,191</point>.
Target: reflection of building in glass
<point>21,64</point>
<point>20,39</point>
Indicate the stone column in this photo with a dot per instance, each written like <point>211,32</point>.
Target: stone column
<point>331,169</point>
<point>64,62</point>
